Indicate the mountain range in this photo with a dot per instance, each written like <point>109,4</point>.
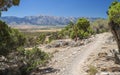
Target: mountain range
<point>41,20</point>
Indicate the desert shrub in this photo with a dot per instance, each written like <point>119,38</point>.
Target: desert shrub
<point>64,34</point>
<point>114,21</point>
<point>114,12</point>
<point>83,24</point>
<point>33,58</point>
<point>92,70</point>
<point>30,41</point>
<point>53,36</point>
<point>66,31</point>
<point>82,34</point>
<point>33,40</point>
<point>81,29</point>
<point>10,39</point>
<point>72,35</point>
<point>100,26</point>
<point>60,34</point>
<point>41,38</point>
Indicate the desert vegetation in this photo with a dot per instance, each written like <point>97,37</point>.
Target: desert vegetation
<point>16,59</point>
<point>14,42</point>
<point>100,26</point>
<point>79,30</point>
<point>10,39</point>
<point>82,29</point>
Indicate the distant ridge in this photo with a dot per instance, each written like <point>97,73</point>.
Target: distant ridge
<point>41,20</point>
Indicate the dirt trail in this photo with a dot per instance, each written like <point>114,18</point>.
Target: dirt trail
<point>75,68</point>
<point>70,60</point>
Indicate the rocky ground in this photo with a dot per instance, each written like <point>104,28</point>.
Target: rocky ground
<point>75,58</point>
<point>103,60</point>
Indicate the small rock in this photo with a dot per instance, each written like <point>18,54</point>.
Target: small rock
<point>103,73</point>
<point>2,59</point>
<point>103,54</point>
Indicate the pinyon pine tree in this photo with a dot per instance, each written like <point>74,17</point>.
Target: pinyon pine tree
<point>114,21</point>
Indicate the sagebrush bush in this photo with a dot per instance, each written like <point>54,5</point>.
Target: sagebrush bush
<point>41,38</point>
<point>33,58</point>
<point>10,39</point>
<point>100,26</point>
<point>92,70</point>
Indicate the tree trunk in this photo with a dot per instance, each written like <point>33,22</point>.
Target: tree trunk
<point>115,28</point>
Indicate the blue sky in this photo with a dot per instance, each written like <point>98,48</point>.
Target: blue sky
<point>82,8</point>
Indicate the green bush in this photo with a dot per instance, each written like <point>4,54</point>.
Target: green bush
<point>31,41</point>
<point>53,36</point>
<point>72,35</point>
<point>114,12</point>
<point>41,39</point>
<point>33,58</point>
<point>83,24</point>
<point>100,26</point>
<point>82,34</point>
<point>10,39</point>
<point>92,70</point>
<point>81,29</point>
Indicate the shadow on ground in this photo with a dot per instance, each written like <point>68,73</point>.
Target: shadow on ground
<point>45,71</point>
